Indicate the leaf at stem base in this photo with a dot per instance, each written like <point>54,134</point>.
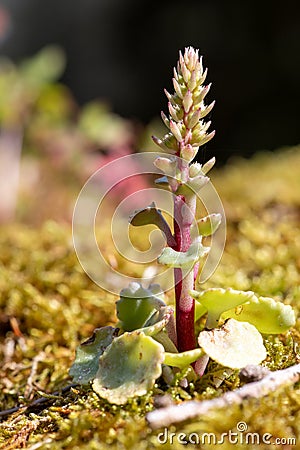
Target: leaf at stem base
<point>234,345</point>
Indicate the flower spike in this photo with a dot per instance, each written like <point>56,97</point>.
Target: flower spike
<point>186,105</point>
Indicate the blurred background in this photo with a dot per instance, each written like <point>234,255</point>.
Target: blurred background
<point>98,93</point>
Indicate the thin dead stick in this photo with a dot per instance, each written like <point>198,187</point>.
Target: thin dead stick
<point>38,401</point>
<point>29,386</point>
<point>187,410</point>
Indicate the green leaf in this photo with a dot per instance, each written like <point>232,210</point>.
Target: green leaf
<point>183,260</point>
<point>209,224</point>
<point>137,305</point>
<point>136,290</point>
<point>200,310</point>
<point>45,67</point>
<point>146,216</point>
<point>163,338</point>
<point>218,300</point>
<point>234,345</point>
<point>157,322</point>
<point>86,363</point>
<point>266,314</point>
<point>183,359</point>
<point>128,367</point>
<point>152,215</point>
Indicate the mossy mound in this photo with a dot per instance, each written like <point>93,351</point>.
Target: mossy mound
<point>48,305</point>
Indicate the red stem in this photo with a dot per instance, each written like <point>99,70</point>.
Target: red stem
<point>185,305</point>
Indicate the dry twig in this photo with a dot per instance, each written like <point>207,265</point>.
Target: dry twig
<point>38,401</point>
<point>187,410</point>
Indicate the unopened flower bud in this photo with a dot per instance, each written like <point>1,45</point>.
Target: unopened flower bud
<point>196,58</point>
<point>181,59</point>
<point>198,182</point>
<point>186,106</point>
<point>187,153</point>
<point>185,73</point>
<point>188,137</point>
<point>175,131</point>
<point>192,83</point>
<point>207,109</point>
<point>177,88</point>
<point>197,134</point>
<point>186,55</point>
<point>187,101</point>
<point>168,95</point>
<point>158,142</point>
<point>203,77</point>
<point>165,119</point>
<point>167,165</point>
<point>173,112</point>
<point>175,74</point>
<point>170,142</point>
<point>206,125</point>
<point>202,93</point>
<point>194,169</point>
<point>167,144</point>
<point>199,65</point>
<point>194,119</point>
<point>208,165</point>
<point>207,138</point>
<point>190,57</point>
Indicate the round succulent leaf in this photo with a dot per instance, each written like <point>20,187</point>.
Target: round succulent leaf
<point>86,363</point>
<point>266,314</point>
<point>183,260</point>
<point>136,290</point>
<point>156,290</point>
<point>128,367</point>
<point>137,305</point>
<point>234,345</point>
<point>218,300</point>
<point>183,359</point>
<point>133,313</point>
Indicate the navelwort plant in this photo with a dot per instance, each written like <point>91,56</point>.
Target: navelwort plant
<point>151,338</point>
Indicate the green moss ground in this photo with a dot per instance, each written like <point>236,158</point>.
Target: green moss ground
<point>48,305</point>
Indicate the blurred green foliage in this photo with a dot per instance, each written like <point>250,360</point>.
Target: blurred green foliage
<point>22,86</point>
<point>57,136</point>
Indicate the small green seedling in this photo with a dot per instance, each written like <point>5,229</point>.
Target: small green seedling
<point>125,361</point>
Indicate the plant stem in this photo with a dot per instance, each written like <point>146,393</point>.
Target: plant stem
<point>187,132</point>
<point>185,304</point>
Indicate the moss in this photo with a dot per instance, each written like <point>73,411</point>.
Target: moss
<point>277,414</point>
<point>48,305</point>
